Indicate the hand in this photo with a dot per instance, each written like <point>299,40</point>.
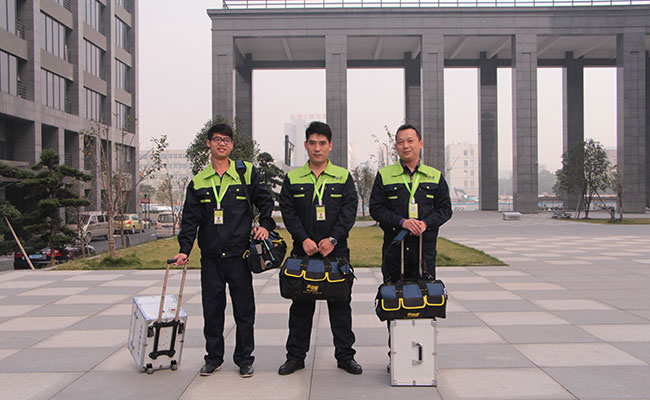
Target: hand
<point>325,247</point>
<point>260,233</point>
<point>416,227</point>
<point>181,259</point>
<point>309,246</point>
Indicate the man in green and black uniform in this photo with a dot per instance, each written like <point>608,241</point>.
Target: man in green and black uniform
<point>413,196</point>
<point>216,204</point>
<point>319,206</point>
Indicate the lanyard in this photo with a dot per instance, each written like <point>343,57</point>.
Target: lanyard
<point>218,196</point>
<point>412,189</point>
<point>318,193</point>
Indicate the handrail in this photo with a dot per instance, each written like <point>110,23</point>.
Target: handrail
<point>289,4</point>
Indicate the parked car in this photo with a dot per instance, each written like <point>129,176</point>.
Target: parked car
<point>165,225</point>
<point>94,224</point>
<point>132,223</point>
<point>41,258</point>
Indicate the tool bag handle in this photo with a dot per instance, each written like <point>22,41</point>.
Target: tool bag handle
<point>399,238</point>
<point>164,290</point>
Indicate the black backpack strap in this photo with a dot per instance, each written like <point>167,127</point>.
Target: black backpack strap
<point>240,166</point>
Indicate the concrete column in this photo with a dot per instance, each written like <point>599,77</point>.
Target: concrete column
<point>27,142</point>
<point>336,63</point>
<point>631,119</point>
<point>412,91</point>
<point>488,144</point>
<point>244,94</point>
<point>573,124</point>
<point>433,113</point>
<point>222,76</point>
<point>524,126</point>
<point>647,128</point>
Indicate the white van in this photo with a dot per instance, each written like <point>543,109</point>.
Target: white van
<point>94,224</point>
<point>165,225</point>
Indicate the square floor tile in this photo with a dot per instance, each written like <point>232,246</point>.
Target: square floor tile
<point>93,299</point>
<point>499,384</point>
<point>520,318</point>
<point>603,382</point>
<point>82,339</point>
<point>16,310</point>
<point>35,386</point>
<point>53,291</point>
<point>485,295</point>
<point>577,355</point>
<point>480,356</point>
<point>530,286</point>
<point>55,360</point>
<point>544,334</point>
<point>570,304</point>
<point>620,333</point>
<point>38,323</point>
<point>467,334</point>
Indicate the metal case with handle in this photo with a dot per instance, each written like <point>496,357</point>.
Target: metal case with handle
<point>413,352</point>
<point>157,330</point>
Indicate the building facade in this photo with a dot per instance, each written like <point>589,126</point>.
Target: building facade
<point>461,171</point>
<point>69,66</point>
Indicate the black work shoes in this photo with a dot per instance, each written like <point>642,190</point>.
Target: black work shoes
<point>246,371</point>
<point>350,366</point>
<point>209,369</point>
<point>291,366</point>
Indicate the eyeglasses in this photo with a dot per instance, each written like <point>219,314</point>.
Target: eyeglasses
<point>219,139</point>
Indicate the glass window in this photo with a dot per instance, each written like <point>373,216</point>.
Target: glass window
<point>121,115</point>
<point>123,3</point>
<point>53,37</point>
<point>121,71</point>
<point>93,59</point>
<point>93,105</point>
<point>53,89</point>
<point>93,14</point>
<point>8,15</point>
<point>121,33</point>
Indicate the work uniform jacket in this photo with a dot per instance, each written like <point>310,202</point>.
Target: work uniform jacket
<point>232,237</point>
<point>298,202</point>
<point>389,205</point>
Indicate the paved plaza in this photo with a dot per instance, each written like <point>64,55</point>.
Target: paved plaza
<point>569,319</point>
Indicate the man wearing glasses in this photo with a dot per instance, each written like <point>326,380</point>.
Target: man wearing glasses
<point>216,204</point>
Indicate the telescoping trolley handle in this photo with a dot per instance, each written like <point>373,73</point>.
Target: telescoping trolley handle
<point>176,325</point>
<point>401,237</point>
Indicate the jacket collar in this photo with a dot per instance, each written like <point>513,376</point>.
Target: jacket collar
<point>329,170</point>
<point>209,172</point>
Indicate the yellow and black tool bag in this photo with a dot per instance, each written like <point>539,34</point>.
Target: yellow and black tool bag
<point>313,278</point>
<point>411,298</point>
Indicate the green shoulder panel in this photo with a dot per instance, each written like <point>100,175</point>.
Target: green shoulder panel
<point>390,174</point>
<point>200,180</point>
<point>248,173</point>
<point>299,175</point>
<point>341,174</point>
<point>433,175</point>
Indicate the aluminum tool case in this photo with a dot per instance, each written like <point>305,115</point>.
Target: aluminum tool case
<point>413,352</point>
<point>157,329</point>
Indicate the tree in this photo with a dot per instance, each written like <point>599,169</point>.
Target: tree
<point>7,210</point>
<point>115,170</point>
<point>245,148</point>
<point>170,191</point>
<point>270,174</point>
<point>585,171</point>
<point>363,178</point>
<point>617,187</point>
<point>386,151</point>
<point>50,188</point>
<point>546,181</point>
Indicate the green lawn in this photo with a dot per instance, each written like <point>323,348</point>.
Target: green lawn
<point>624,221</point>
<point>365,249</point>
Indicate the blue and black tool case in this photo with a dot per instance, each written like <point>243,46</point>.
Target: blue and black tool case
<point>413,298</point>
<point>313,278</point>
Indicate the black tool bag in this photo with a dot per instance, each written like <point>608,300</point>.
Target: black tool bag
<point>316,279</point>
<point>411,298</point>
<point>266,254</point>
<point>261,255</point>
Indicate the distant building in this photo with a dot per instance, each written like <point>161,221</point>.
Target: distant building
<point>63,65</point>
<point>294,138</point>
<point>461,171</point>
<point>177,166</point>
<point>611,155</point>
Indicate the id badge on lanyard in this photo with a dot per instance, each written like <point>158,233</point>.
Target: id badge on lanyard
<point>320,213</point>
<point>320,208</point>
<point>413,210</point>
<point>218,212</point>
<point>218,216</point>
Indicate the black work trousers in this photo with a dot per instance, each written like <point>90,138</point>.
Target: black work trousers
<point>215,273</point>
<point>301,316</point>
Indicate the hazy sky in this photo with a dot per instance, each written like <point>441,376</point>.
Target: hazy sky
<point>175,93</point>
